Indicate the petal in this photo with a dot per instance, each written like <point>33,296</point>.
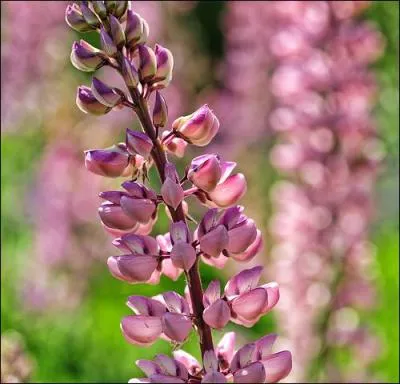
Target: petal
<point>175,302</point>
<point>142,305</point>
<point>113,217</point>
<point>214,377</point>
<point>172,193</point>
<point>242,236</point>
<point>251,251</point>
<point>277,366</point>
<point>214,242</point>
<point>208,221</point>
<point>167,364</point>
<point>250,305</point>
<point>140,210</point>
<point>212,293</point>
<point>191,364</point>
<point>165,379</point>
<point>183,256</point>
<point>176,326</point>
<point>244,281</point>
<point>179,232</point>
<point>273,295</point>
<point>217,262</point>
<point>253,373</point>
<point>169,269</point>
<point>244,356</point>
<point>136,268</point>
<point>148,367</point>
<point>226,169</point>
<point>210,361</point>
<point>264,345</point>
<point>141,330</point>
<point>230,191</point>
<point>217,314</point>
<point>226,347</point>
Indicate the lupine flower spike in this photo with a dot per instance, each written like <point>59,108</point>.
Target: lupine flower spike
<point>129,214</point>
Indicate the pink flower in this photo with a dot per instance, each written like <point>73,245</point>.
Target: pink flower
<point>243,301</point>
<point>164,315</point>
<point>199,128</point>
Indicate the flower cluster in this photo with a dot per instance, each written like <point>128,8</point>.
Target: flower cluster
<point>129,214</point>
<point>252,363</point>
<point>327,144</point>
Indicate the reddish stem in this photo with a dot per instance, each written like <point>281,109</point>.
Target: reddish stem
<point>192,276</point>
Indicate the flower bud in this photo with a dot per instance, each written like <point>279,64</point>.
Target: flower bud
<point>133,28</point>
<point>103,93</point>
<point>117,32</point>
<point>148,63</point>
<point>199,128</point>
<point>89,16</point>
<point>171,190</point>
<point>100,8</point>
<point>86,57</point>
<point>138,142</point>
<point>205,172</point>
<point>160,111</point>
<point>109,162</point>
<point>120,8</point>
<point>141,330</point>
<point>230,191</point>
<point>87,103</point>
<point>165,63</point>
<point>174,144</point>
<point>129,73</point>
<point>75,19</point>
<point>107,43</point>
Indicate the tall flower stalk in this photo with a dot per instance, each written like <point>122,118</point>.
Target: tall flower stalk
<point>224,232</point>
<point>327,145</point>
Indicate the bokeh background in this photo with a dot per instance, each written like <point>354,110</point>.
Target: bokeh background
<point>60,308</point>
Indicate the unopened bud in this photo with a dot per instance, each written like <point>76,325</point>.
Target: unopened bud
<point>120,8</point>
<point>199,128</point>
<point>85,57</point>
<point>138,142</point>
<point>107,43</point>
<point>89,16</point>
<point>165,63</point>
<point>103,93</point>
<point>133,28</point>
<point>129,73</point>
<point>109,162</point>
<point>117,32</point>
<point>75,19</point>
<point>148,63</point>
<point>205,172</point>
<point>160,111</point>
<point>87,103</point>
